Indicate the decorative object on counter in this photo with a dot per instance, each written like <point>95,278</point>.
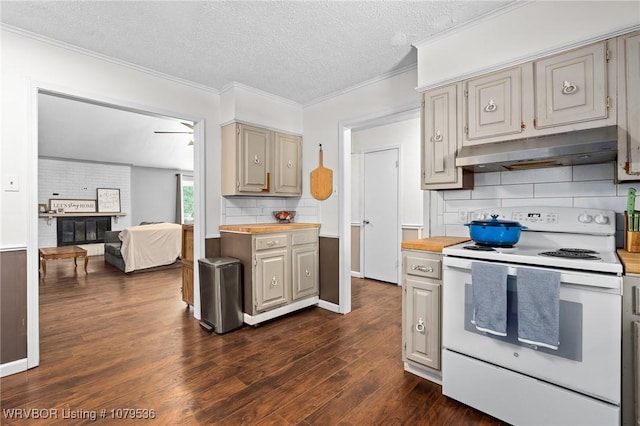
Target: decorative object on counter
<point>321,180</point>
<point>108,200</point>
<point>495,232</point>
<point>632,224</point>
<point>42,208</point>
<point>284,216</point>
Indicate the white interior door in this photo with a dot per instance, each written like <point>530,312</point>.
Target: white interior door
<point>381,222</point>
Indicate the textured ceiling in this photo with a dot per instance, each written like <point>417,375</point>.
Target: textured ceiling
<point>299,50</point>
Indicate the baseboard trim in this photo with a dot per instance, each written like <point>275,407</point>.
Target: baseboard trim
<point>357,274</point>
<point>13,367</point>
<point>274,313</point>
<point>329,306</point>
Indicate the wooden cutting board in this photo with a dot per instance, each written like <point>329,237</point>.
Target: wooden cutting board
<point>321,181</point>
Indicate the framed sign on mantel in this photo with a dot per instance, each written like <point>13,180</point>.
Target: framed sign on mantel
<point>108,200</point>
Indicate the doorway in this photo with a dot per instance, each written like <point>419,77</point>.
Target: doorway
<point>380,235</point>
<point>33,316</point>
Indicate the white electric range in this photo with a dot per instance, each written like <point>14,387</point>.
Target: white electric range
<point>577,383</point>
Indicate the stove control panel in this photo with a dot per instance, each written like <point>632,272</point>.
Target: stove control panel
<point>555,219</point>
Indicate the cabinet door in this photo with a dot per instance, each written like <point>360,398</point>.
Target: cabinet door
<point>629,111</point>
<point>439,136</point>
<point>422,322</point>
<point>305,271</point>
<point>271,279</point>
<point>187,283</point>
<point>253,157</point>
<point>494,104</point>
<point>571,87</point>
<point>288,164</point>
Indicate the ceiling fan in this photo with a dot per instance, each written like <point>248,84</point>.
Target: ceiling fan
<point>190,132</point>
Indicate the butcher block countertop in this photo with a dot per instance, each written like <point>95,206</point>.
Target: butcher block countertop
<point>630,261</point>
<point>433,243</point>
<point>257,228</point>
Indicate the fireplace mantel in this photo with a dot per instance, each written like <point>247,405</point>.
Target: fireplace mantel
<point>50,216</point>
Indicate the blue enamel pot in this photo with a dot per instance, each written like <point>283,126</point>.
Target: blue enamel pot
<point>495,232</point>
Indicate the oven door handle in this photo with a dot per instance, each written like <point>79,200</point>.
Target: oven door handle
<point>592,279</point>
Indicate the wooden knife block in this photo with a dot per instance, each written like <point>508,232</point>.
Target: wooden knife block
<point>631,238</point>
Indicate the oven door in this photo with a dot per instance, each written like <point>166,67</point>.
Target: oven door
<point>588,357</point>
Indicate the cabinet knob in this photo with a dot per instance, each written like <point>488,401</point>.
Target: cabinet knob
<point>272,243</point>
<point>307,273</point>
<point>274,281</point>
<point>256,160</point>
<point>491,106</point>
<point>568,88</point>
<point>289,164</point>
<point>420,326</point>
<point>437,137</point>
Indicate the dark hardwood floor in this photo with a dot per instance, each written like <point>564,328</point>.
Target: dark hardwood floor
<point>111,341</point>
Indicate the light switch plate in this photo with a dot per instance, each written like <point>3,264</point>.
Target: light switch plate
<point>11,183</point>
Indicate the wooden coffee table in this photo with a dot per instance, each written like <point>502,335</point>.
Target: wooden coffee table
<point>64,252</point>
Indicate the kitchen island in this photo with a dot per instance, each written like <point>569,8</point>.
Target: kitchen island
<point>280,266</point>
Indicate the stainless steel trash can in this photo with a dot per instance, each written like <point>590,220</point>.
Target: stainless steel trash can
<point>220,294</point>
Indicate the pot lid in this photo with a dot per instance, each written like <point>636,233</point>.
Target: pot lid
<point>495,222</point>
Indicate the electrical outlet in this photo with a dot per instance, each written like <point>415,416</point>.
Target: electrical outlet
<point>463,216</point>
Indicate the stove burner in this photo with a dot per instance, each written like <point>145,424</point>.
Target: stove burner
<point>571,254</point>
<point>578,250</point>
<point>480,248</point>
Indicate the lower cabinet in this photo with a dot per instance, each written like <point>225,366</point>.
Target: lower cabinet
<point>187,264</point>
<point>421,295</point>
<point>281,271</point>
<point>272,279</point>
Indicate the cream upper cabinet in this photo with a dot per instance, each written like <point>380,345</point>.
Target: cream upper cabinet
<point>629,107</point>
<point>440,139</point>
<point>494,104</point>
<point>253,158</point>
<point>287,164</point>
<point>258,161</point>
<point>571,87</point>
<point>568,91</point>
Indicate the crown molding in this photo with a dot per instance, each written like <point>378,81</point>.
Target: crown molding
<point>235,84</point>
<point>99,56</point>
<point>365,83</point>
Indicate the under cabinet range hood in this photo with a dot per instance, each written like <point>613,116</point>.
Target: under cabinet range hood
<point>562,149</point>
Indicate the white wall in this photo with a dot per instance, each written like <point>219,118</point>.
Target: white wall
<point>322,125</point>
<point>153,196</point>
<point>249,105</point>
<point>406,134</point>
<point>518,34</point>
<point>28,63</point>
<point>79,180</point>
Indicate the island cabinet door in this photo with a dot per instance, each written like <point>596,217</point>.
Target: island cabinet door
<point>271,279</point>
<point>422,322</point>
<point>305,271</point>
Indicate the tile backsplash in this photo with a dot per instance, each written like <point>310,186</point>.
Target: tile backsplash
<point>589,186</point>
<point>240,210</point>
